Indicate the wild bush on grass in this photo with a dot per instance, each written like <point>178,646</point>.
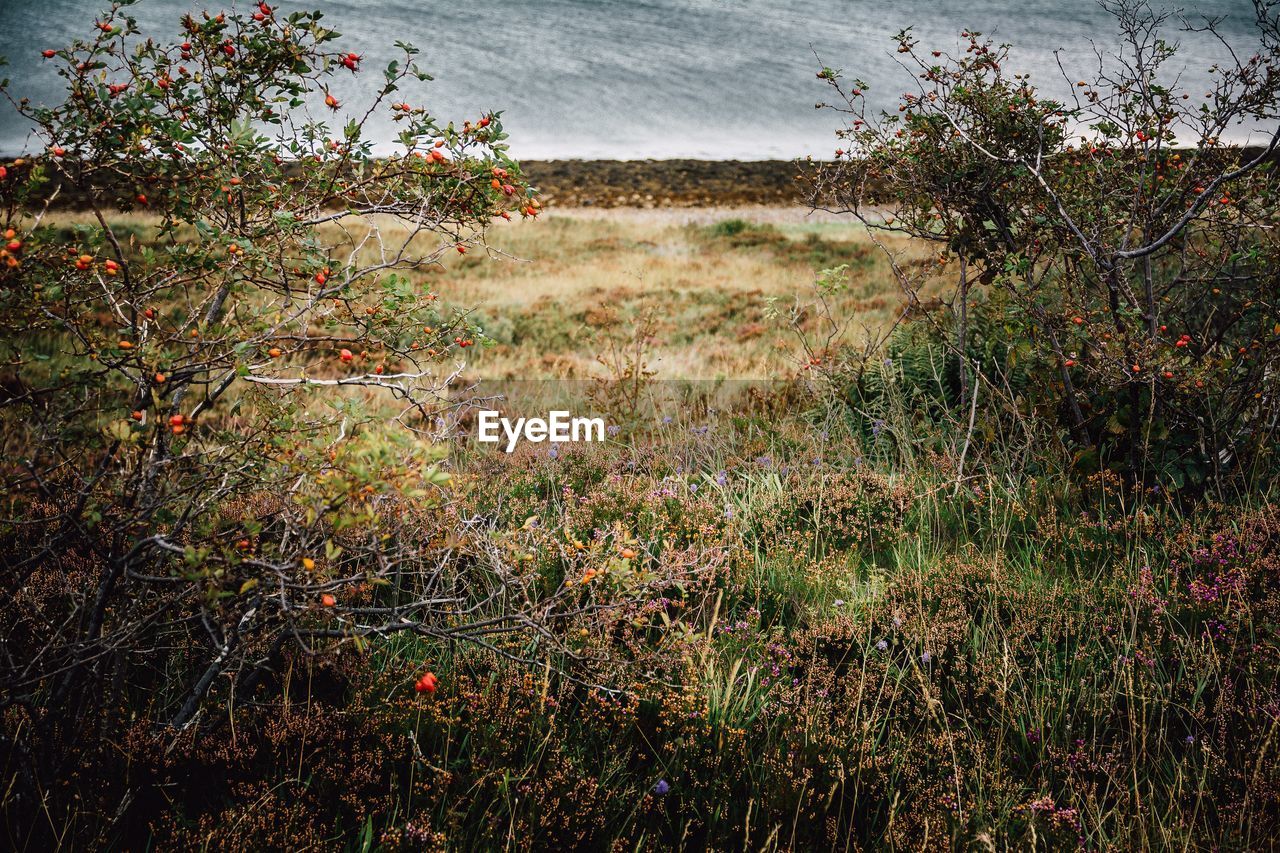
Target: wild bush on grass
<point>1121,254</point>
<point>197,472</point>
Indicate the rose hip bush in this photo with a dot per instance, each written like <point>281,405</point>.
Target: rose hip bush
<point>221,371</point>
<point>1109,246</point>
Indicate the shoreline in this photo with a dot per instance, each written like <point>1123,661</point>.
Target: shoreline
<point>679,183</point>
<point>675,184</point>
<point>641,184</point>
<point>788,214</point>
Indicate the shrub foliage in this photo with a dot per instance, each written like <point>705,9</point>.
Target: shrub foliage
<point>1109,243</point>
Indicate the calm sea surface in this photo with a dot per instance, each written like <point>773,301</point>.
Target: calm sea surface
<point>667,78</point>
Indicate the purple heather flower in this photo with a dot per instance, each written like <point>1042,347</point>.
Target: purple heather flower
<point>722,478</point>
<point>613,429</point>
<point>662,788</point>
<point>926,657</point>
<point>883,645</point>
<point>1191,739</point>
<point>554,453</point>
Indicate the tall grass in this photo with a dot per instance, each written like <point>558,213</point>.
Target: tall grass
<point>871,647</point>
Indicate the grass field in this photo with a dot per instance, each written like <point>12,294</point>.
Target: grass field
<point>948,522</point>
<point>558,291</point>
<point>791,624</point>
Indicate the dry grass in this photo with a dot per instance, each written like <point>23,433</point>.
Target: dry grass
<point>557,291</point>
<point>554,293</point>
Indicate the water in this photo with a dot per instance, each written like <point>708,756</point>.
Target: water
<point>665,78</point>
